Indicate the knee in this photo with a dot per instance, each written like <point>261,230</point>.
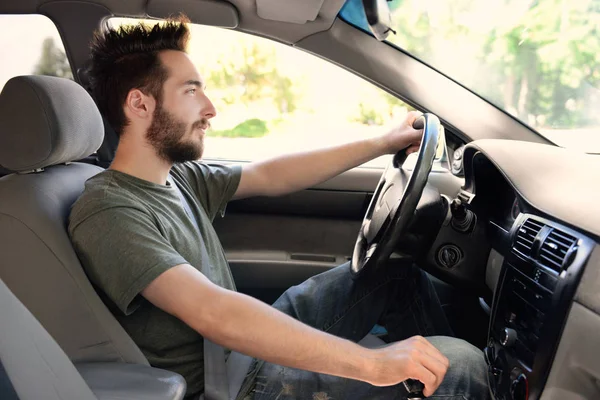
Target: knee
<point>461,353</point>
<point>467,372</point>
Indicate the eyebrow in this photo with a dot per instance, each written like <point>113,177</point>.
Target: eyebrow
<point>193,82</point>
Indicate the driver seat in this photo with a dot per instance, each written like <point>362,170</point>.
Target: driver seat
<point>45,124</point>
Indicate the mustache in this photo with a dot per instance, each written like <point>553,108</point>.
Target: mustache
<point>202,124</point>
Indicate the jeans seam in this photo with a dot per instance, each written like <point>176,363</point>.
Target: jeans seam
<point>341,315</point>
<point>425,323</point>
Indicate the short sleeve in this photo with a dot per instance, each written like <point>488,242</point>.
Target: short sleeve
<point>214,184</point>
<point>122,251</point>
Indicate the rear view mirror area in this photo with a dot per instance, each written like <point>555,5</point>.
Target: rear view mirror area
<point>378,17</point>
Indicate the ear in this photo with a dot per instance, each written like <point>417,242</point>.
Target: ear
<point>139,105</point>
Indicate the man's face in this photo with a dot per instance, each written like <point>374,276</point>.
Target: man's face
<point>181,119</point>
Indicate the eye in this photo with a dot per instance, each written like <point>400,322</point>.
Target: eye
<point>191,91</point>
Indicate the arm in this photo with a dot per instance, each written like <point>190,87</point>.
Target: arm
<point>289,173</point>
<point>244,324</point>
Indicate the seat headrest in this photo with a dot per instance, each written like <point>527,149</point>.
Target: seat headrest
<point>46,121</point>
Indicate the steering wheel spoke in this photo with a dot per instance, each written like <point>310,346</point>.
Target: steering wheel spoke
<point>395,201</point>
<point>380,217</point>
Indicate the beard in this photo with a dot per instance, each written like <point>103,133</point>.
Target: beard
<point>166,134</point>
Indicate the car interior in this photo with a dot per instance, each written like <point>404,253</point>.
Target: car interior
<point>505,222</point>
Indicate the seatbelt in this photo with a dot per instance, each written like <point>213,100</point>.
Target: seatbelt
<point>238,365</point>
<point>215,371</point>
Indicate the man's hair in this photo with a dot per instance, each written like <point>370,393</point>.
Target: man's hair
<point>126,58</point>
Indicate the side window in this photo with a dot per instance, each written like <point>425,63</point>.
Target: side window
<point>272,99</point>
<point>31,45</point>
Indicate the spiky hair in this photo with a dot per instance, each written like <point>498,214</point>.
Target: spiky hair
<point>127,58</point>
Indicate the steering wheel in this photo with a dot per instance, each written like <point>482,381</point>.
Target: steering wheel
<point>395,201</point>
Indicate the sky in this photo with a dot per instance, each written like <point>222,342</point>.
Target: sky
<point>21,38</point>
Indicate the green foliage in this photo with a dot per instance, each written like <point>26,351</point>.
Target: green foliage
<point>394,102</point>
<point>251,128</point>
<point>284,95</point>
<point>539,60</point>
<point>384,107</point>
<point>53,61</point>
<point>368,115</point>
<point>253,78</point>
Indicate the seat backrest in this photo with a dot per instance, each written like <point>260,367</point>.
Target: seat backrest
<point>36,366</point>
<point>45,123</point>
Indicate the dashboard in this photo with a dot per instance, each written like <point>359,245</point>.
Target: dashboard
<point>507,211</point>
<point>537,209</point>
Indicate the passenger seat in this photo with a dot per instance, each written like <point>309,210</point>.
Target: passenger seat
<point>45,124</point>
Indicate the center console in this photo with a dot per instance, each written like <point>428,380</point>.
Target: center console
<point>540,273</point>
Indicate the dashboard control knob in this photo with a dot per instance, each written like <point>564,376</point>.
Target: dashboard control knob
<point>462,218</point>
<point>519,388</point>
<point>449,256</point>
<point>458,209</point>
<point>458,153</point>
<point>414,389</point>
<point>457,161</point>
<point>509,337</point>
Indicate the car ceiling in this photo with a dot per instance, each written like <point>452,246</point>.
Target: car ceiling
<point>313,26</point>
<point>219,13</point>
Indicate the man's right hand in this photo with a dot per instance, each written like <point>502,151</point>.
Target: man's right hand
<point>249,326</point>
<point>413,358</point>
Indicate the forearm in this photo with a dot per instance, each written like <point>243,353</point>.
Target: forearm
<point>292,172</point>
<point>249,326</point>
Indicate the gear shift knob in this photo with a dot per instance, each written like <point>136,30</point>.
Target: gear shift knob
<point>414,389</point>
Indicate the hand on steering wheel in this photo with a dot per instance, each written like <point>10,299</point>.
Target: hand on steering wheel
<point>405,136</point>
<point>395,201</point>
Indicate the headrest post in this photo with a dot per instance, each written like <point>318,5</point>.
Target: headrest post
<point>33,171</point>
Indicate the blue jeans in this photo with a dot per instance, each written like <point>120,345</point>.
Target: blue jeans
<point>401,299</point>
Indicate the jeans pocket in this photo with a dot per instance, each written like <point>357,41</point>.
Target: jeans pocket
<point>447,397</point>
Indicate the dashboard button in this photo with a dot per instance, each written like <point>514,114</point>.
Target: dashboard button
<point>509,337</point>
<point>449,256</point>
<point>519,389</point>
<point>458,153</point>
<point>548,281</point>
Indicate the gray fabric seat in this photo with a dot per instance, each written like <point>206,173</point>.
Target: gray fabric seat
<point>45,124</point>
<point>26,350</point>
<point>38,368</point>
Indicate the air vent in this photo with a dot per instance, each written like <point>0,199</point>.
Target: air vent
<point>555,249</point>
<point>526,236</point>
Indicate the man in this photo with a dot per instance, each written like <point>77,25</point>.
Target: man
<point>164,273</point>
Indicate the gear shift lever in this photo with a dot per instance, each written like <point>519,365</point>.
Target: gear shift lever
<point>414,389</point>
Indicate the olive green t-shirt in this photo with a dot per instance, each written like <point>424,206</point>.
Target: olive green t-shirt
<point>127,231</point>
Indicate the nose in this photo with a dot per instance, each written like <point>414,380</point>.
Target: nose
<point>208,109</point>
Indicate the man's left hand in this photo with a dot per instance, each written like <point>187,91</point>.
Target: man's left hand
<point>404,136</point>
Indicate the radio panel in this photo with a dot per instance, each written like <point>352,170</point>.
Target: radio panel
<point>535,290</point>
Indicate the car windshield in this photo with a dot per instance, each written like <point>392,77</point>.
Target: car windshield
<point>538,60</point>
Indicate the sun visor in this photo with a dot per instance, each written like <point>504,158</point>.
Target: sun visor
<point>204,12</point>
<point>294,11</point>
